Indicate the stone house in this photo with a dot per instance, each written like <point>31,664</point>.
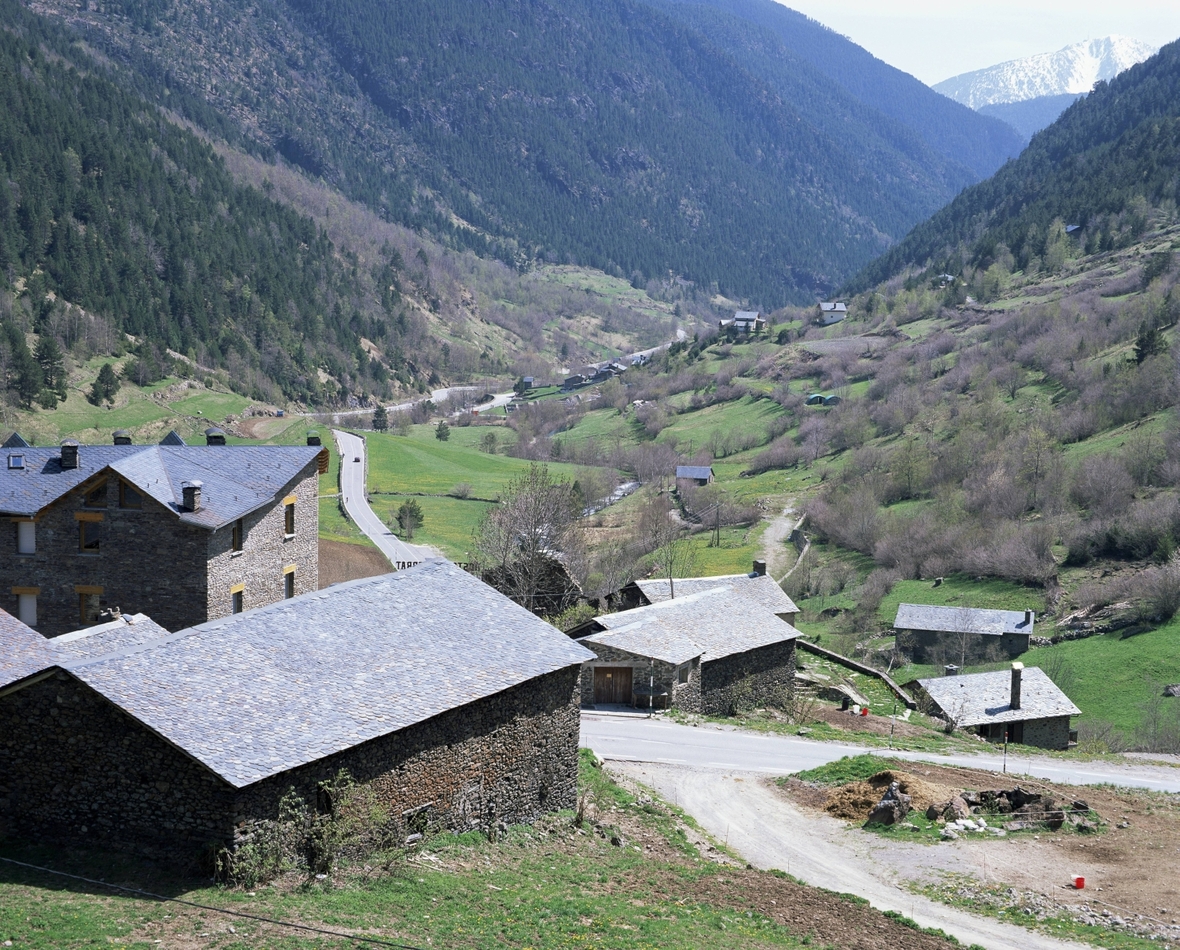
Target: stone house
<point>714,652</point>
<point>830,313</point>
<point>962,635</point>
<point>182,533</point>
<point>755,586</point>
<point>1019,705</point>
<point>744,322</point>
<point>431,689</point>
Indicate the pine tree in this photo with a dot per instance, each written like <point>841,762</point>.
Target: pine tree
<point>50,358</point>
<point>24,372</point>
<point>442,432</point>
<point>105,387</point>
<point>380,419</point>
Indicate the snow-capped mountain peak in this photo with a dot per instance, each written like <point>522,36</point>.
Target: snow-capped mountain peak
<point>1073,69</point>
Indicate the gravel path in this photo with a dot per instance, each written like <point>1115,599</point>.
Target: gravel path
<point>746,811</point>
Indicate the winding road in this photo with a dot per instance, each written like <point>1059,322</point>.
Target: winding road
<point>356,503</point>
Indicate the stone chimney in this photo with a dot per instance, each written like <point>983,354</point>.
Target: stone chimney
<point>192,495</point>
<point>313,438</point>
<point>121,437</point>
<point>950,670</point>
<point>69,454</point>
<point>1028,618</point>
<point>214,436</point>
<point>759,568</point>
<point>1017,671</point>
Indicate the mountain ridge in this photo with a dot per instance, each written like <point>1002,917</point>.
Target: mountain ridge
<point>1071,69</point>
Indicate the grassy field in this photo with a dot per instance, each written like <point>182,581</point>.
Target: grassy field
<point>448,523</point>
<point>551,885</point>
<point>960,591</point>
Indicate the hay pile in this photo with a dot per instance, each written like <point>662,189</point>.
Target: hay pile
<point>854,801</point>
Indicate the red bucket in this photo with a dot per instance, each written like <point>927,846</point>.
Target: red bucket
<point>1079,883</point>
<point>864,710</point>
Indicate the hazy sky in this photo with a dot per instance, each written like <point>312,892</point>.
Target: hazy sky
<point>937,40</point>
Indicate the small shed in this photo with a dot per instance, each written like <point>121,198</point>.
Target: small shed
<point>1017,705</point>
<point>699,474</point>
<point>815,399</point>
<point>962,634</point>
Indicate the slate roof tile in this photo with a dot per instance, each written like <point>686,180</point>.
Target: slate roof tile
<point>979,698</point>
<point>962,620</point>
<point>759,588</point>
<point>264,691</point>
<point>23,651</point>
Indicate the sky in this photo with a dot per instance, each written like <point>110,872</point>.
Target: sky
<point>937,40</point>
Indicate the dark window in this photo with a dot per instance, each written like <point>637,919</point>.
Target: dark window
<point>289,585</point>
<point>238,535</point>
<point>16,461</point>
<point>236,602</point>
<point>129,497</point>
<point>89,536</point>
<point>96,497</point>
<point>682,674</point>
<point>88,607</point>
<point>289,518</point>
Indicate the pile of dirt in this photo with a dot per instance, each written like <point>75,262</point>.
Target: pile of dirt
<point>854,801</point>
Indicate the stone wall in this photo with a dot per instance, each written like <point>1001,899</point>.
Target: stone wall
<point>685,696</point>
<point>750,680</point>
<point>77,770</point>
<point>266,551</point>
<point>1051,733</point>
<point>507,758</point>
<point>932,646</point>
<point>148,562</point>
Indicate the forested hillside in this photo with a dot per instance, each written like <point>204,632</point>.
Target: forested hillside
<point>616,135</point>
<point>116,218</point>
<point>1102,166</point>
<point>952,130</point>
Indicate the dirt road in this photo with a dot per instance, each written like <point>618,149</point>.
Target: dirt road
<point>746,811</point>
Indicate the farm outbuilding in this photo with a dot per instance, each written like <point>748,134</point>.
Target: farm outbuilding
<point>962,634</point>
<point>697,474</point>
<point>429,688</point>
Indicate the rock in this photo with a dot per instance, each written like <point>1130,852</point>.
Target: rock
<point>1021,825</point>
<point>1172,690</point>
<point>970,798</point>
<point>935,811</point>
<point>1080,805</point>
<point>956,808</point>
<point>1055,819</point>
<point>948,835</point>
<point>1022,799</point>
<point>892,808</point>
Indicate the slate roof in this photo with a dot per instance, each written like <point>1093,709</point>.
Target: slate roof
<point>833,307</point>
<point>127,631</point>
<point>23,651</point>
<point>236,480</point>
<point>268,690</point>
<point>980,698</point>
<point>15,441</point>
<point>710,623</point>
<point>757,588</point>
<point>962,620</point>
<point>694,471</point>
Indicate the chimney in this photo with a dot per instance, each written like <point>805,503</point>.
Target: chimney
<point>192,495</point>
<point>121,437</point>
<point>950,670</point>
<point>760,568</point>
<point>1017,670</point>
<point>313,438</point>
<point>69,454</point>
<point>214,436</point>
<point>1028,618</point>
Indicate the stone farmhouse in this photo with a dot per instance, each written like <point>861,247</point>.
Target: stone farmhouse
<point>1021,706</point>
<point>714,651</point>
<point>182,533</point>
<point>962,634</point>
<point>755,586</point>
<point>436,692</point>
<point>694,475</point>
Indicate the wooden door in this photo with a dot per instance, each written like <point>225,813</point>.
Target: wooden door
<point>612,684</point>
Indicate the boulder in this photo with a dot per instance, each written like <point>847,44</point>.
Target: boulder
<point>956,808</point>
<point>892,808</point>
<point>1172,690</point>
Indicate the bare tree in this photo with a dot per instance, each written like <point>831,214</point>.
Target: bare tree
<point>522,542</point>
<point>673,553</point>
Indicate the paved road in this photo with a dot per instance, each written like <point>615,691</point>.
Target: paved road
<point>352,487</point>
<point>628,737</point>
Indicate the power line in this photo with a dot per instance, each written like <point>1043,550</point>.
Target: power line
<point>217,910</point>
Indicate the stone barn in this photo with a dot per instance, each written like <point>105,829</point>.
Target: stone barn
<point>1017,705</point>
<point>430,688</point>
<point>712,652</point>
<point>962,635</point>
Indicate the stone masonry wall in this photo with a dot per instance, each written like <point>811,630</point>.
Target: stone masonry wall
<point>76,769</point>
<point>266,551</point>
<point>750,680</point>
<point>685,696</point>
<point>1052,733</point>
<point>148,562</point>
<point>507,758</point>
<point>932,646</point>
